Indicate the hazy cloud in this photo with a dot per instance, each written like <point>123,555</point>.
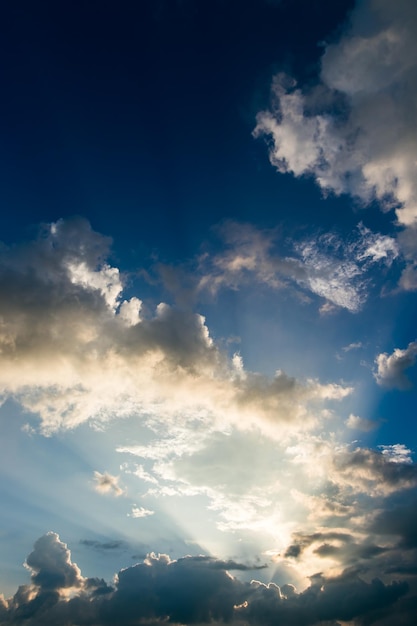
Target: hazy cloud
<point>140,511</point>
<point>361,423</point>
<point>352,346</point>
<point>106,483</point>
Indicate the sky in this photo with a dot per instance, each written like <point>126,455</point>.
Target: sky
<point>208,294</point>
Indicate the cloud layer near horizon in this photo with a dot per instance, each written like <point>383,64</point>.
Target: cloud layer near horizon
<point>191,590</point>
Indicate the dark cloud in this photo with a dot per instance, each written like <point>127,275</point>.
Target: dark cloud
<point>342,598</point>
<point>116,544</point>
<point>399,521</point>
<point>385,471</point>
<point>51,566</point>
<point>338,545</point>
<point>190,590</point>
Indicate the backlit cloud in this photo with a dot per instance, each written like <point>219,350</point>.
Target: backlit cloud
<point>354,131</point>
<point>361,423</point>
<point>73,349</point>
<point>391,367</point>
<point>190,590</point>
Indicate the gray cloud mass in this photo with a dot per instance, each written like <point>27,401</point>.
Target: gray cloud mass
<point>190,590</point>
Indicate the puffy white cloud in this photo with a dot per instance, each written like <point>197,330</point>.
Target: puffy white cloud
<point>391,367</point>
<point>354,131</point>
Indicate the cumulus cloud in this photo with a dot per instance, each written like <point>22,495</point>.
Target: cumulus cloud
<point>189,590</point>
<point>323,265</point>
<point>354,130</point>
<point>51,566</point>
<point>72,349</point>
<point>106,483</point>
<point>391,367</point>
<point>361,423</point>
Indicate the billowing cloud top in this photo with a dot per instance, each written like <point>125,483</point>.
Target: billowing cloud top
<point>73,349</point>
<point>191,590</point>
<point>354,130</point>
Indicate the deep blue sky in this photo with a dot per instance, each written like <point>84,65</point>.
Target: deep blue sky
<point>147,109</point>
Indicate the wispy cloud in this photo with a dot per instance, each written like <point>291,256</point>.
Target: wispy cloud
<point>323,265</point>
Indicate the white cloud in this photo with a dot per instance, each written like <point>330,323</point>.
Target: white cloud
<point>356,345</point>
<point>140,511</point>
<point>391,367</point>
<point>354,132</point>
<point>397,453</point>
<point>361,423</point>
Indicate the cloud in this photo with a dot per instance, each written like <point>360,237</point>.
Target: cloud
<point>361,423</point>
<point>399,520</point>
<point>337,545</point>
<point>106,483</point>
<point>50,565</point>
<point>363,470</point>
<point>73,350</point>
<point>390,368</point>
<point>354,130</point>
<point>116,544</point>
<point>323,265</point>
<point>190,590</point>
<point>139,511</point>
<point>352,346</point>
